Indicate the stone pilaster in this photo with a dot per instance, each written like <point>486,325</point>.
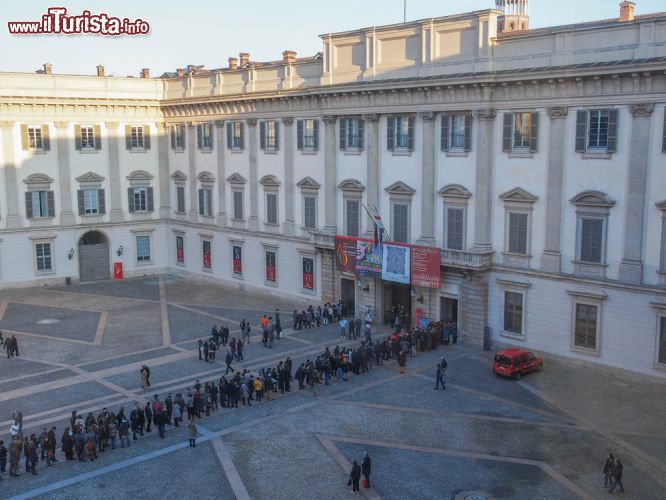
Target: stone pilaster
<point>631,267</point>
<point>428,181</point>
<point>64,175</point>
<point>163,170</point>
<point>550,258</point>
<point>253,220</point>
<point>289,226</point>
<point>474,307</point>
<point>116,211</point>
<point>221,175</point>
<point>484,180</point>
<point>372,156</point>
<point>14,220</point>
<point>330,282</point>
<point>330,183</point>
<point>193,211</point>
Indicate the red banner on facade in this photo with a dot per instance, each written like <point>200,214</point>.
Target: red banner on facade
<point>308,273</point>
<point>270,266</point>
<point>180,252</point>
<point>345,253</point>
<point>206,254</point>
<point>238,259</point>
<point>426,267</point>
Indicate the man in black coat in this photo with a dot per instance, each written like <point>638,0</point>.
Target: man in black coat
<point>354,477</point>
<point>365,469</point>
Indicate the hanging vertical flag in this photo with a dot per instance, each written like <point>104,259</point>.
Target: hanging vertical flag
<point>376,219</point>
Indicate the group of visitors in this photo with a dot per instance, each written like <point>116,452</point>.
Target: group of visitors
<point>11,345</point>
<point>613,473</point>
<point>322,315</point>
<point>357,470</point>
<point>220,338</point>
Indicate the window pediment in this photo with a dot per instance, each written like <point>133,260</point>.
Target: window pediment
<point>400,188</point>
<point>455,191</point>
<point>38,179</point>
<point>236,178</point>
<point>139,175</point>
<point>309,183</point>
<point>269,181</point>
<point>592,199</point>
<point>351,185</point>
<point>179,176</point>
<point>89,177</point>
<point>206,177</point>
<point>518,195</point>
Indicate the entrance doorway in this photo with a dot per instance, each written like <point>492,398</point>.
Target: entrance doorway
<point>348,295</point>
<point>397,297</point>
<point>448,310</point>
<point>94,257</point>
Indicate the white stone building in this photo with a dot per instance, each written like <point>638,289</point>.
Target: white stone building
<point>535,159</point>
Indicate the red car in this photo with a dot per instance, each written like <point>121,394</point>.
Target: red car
<point>515,362</point>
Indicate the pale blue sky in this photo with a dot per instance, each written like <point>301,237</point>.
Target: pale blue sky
<point>209,31</point>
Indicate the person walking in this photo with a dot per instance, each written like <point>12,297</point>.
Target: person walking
<point>608,470</point>
<point>144,377</point>
<point>354,477</point>
<point>192,433</point>
<point>228,359</point>
<point>365,469</point>
<point>440,377</point>
<point>617,476</point>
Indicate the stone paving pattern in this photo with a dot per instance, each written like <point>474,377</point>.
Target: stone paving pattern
<point>543,437</point>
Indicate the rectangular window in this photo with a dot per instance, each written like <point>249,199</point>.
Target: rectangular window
<point>180,249</point>
<point>87,137</point>
<point>238,205</point>
<point>522,126</point>
<point>662,266</point>
<point>43,256</point>
<point>207,260</point>
<point>455,228</point>
<point>206,202</point>
<point>180,199</point>
<point>137,141</point>
<point>661,357</point>
<point>597,134</point>
<point>271,271</point>
<point>271,208</point>
<point>178,137</point>
<point>353,133</point>
<point>513,312</point>
<point>143,248</point>
<point>401,132</point>
<point>353,217</point>
<point>235,136</point>
<point>591,240</point>
<point>310,212</point>
<point>585,327</point>
<point>35,137</point>
<point>457,132</point>
<point>205,135</point>
<point>518,233</point>
<point>140,199</point>
<point>40,204</point>
<point>268,131</point>
<point>308,134</point>
<point>401,222</point>
<point>90,201</point>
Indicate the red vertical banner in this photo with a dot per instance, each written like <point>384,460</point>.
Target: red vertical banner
<point>206,255</point>
<point>271,274</point>
<point>308,273</point>
<point>426,263</point>
<point>180,250</point>
<point>345,253</point>
<point>238,259</point>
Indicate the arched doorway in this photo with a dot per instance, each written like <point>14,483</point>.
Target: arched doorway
<point>93,257</point>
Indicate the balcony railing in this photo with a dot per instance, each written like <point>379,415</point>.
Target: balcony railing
<point>468,259</point>
<point>323,240</point>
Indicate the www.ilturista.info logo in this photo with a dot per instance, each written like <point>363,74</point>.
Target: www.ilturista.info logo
<point>56,21</point>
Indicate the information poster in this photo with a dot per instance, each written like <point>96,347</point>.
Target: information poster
<point>345,253</point>
<point>396,263</point>
<point>238,259</point>
<point>368,258</point>
<point>426,267</point>
<point>308,273</point>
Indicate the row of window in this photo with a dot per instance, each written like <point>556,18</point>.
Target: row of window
<point>86,137</point>
<point>585,324</point>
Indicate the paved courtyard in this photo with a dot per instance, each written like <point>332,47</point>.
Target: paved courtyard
<point>81,348</point>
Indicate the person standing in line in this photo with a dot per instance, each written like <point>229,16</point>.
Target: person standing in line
<point>402,361</point>
<point>228,359</point>
<point>617,476</point>
<point>192,433</point>
<point>343,327</point>
<point>144,378</point>
<point>608,470</point>
<point>3,457</point>
<point>148,411</point>
<point>212,347</point>
<point>354,477</point>
<point>365,469</point>
<point>205,351</point>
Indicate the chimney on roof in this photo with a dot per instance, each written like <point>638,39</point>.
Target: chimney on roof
<point>48,68</point>
<point>100,70</point>
<point>191,69</point>
<point>627,11</point>
<point>145,73</point>
<point>180,72</point>
<point>289,56</point>
<point>233,63</point>
<point>244,58</point>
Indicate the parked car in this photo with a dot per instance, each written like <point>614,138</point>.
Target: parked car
<point>516,362</point>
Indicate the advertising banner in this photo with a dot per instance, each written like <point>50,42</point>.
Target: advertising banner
<point>271,275</point>
<point>369,259</point>
<point>180,251</point>
<point>425,267</point>
<point>206,254</point>
<point>345,253</point>
<point>308,273</point>
<point>238,259</point>
<point>396,263</point>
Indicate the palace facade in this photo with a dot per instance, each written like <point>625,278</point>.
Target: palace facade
<point>533,160</point>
